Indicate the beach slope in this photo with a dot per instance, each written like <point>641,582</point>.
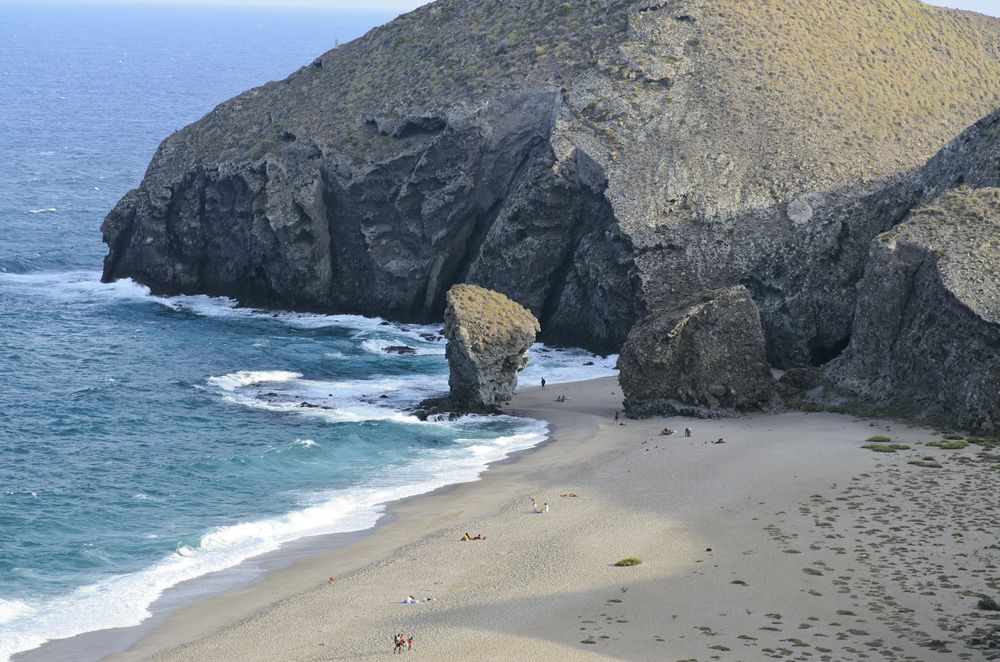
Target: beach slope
<point>787,540</point>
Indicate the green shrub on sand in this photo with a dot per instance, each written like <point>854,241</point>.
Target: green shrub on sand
<point>948,445</point>
<point>630,561</point>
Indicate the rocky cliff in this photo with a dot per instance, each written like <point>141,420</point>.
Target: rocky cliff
<point>488,339</point>
<point>698,360</point>
<point>593,160</point>
<point>926,336</point>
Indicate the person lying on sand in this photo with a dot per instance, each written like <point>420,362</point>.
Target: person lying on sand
<point>666,432</point>
<point>478,536</point>
<point>409,600</point>
<point>568,494</point>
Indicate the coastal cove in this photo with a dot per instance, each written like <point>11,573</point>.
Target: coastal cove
<point>608,330</point>
<point>776,540</point>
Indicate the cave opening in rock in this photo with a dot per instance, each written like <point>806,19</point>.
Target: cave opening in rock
<point>821,353</point>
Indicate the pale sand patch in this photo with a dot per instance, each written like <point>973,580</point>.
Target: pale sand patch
<point>819,551</point>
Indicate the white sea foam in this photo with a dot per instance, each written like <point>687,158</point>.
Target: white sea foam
<point>305,443</point>
<point>11,609</point>
<point>236,380</point>
<point>42,211</point>
<point>124,600</point>
<point>560,365</point>
<point>335,401</point>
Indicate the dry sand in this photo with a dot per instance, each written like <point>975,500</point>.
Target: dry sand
<point>788,541</point>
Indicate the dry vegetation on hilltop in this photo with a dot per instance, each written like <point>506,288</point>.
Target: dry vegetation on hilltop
<point>884,82</point>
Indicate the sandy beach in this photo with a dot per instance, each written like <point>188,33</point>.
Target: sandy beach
<point>787,541</point>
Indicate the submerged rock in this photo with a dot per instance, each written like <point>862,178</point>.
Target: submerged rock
<point>488,338</point>
<point>701,360</point>
<point>926,337</point>
<point>399,349</point>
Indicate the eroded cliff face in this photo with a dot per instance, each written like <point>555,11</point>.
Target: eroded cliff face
<point>488,340</point>
<point>926,336</point>
<point>593,160</point>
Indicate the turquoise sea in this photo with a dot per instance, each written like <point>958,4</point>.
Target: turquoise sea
<point>147,441</point>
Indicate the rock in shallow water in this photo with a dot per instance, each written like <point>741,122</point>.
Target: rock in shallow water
<point>700,360</point>
<point>488,338</point>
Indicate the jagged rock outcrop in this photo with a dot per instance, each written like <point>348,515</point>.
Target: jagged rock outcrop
<point>701,360</point>
<point>593,160</point>
<point>488,339</point>
<point>926,336</point>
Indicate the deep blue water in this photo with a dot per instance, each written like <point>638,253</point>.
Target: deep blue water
<point>145,441</point>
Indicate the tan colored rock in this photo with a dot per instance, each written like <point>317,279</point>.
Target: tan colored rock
<point>488,338</point>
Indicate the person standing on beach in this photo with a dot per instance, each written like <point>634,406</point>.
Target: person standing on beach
<point>616,417</point>
<point>409,643</point>
<point>543,382</point>
<point>398,640</point>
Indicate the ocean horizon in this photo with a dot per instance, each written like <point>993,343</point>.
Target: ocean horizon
<point>146,441</point>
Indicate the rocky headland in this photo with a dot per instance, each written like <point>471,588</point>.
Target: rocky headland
<point>599,162</point>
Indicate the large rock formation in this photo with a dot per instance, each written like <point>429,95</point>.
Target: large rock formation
<point>593,160</point>
<point>488,338</point>
<point>926,337</point>
<point>698,360</point>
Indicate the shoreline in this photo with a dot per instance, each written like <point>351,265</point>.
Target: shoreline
<point>109,644</point>
<point>789,538</point>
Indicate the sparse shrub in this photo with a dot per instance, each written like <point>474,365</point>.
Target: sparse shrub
<point>630,561</point>
<point>878,438</point>
<point>886,448</point>
<point>988,604</point>
<point>948,445</point>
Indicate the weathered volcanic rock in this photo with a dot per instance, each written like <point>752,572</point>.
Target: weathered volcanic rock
<point>488,338</point>
<point>926,336</point>
<point>593,160</point>
<point>698,360</point>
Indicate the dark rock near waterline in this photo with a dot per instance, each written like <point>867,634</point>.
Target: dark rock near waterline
<point>402,350</point>
<point>488,339</point>
<point>700,360</point>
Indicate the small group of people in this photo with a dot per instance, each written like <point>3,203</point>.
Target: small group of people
<point>666,432</point>
<point>402,643</point>
<point>562,398</point>
<point>478,536</point>
<point>544,508</point>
